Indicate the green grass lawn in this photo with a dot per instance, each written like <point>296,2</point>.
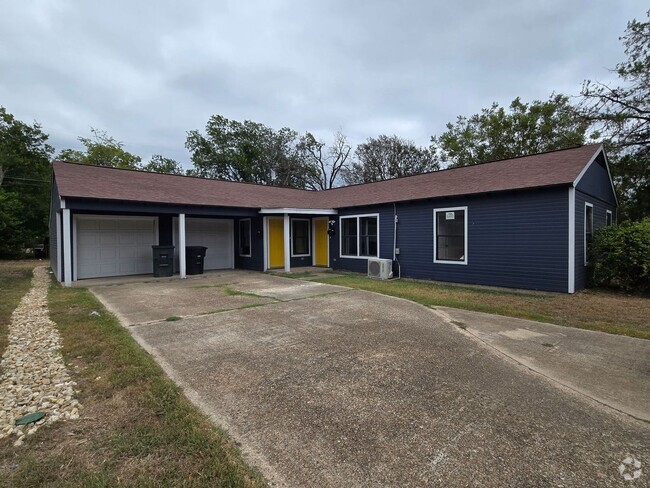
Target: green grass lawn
<point>136,426</point>
<point>15,279</point>
<point>610,312</point>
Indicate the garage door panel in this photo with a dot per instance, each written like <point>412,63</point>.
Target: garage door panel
<point>215,234</point>
<point>114,246</point>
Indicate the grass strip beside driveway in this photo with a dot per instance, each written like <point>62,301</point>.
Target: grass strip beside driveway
<point>136,426</point>
<point>15,279</point>
<point>610,312</point>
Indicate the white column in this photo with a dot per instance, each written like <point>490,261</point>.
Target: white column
<point>287,244</point>
<point>67,247</point>
<point>181,246</point>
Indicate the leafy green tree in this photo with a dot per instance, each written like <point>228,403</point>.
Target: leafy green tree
<point>497,133</point>
<point>160,164</point>
<point>245,151</point>
<point>24,184</point>
<point>321,164</point>
<point>621,114</point>
<point>101,150</point>
<point>387,157</point>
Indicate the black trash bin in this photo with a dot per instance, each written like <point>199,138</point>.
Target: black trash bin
<point>194,257</point>
<point>163,261</point>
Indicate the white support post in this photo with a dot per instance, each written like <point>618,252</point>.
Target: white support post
<point>181,246</point>
<point>287,244</point>
<point>67,247</point>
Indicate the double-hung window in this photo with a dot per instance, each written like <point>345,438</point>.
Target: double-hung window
<point>450,235</point>
<point>245,237</point>
<point>359,236</point>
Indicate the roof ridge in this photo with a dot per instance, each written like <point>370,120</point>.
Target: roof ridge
<point>182,176</point>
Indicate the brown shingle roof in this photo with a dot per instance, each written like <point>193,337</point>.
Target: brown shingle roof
<point>539,170</point>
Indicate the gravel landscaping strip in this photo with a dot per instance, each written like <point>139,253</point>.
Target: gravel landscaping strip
<point>34,377</point>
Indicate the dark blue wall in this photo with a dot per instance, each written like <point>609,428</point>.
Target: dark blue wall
<point>515,239</point>
<point>256,261</point>
<point>595,182</point>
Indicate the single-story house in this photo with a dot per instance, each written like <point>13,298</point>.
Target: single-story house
<point>522,223</point>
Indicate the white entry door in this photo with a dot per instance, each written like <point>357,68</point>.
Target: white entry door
<point>114,246</point>
<point>215,234</point>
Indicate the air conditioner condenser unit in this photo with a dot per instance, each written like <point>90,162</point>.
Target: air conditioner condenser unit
<point>380,268</point>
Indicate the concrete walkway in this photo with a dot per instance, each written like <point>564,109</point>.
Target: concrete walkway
<point>328,386</point>
<point>613,370</point>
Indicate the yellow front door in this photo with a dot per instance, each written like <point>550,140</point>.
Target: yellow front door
<point>321,239</point>
<point>276,243</point>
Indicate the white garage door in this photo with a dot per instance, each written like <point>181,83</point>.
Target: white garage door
<point>216,235</point>
<point>114,246</point>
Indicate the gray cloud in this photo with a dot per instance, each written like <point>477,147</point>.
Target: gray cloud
<point>147,72</point>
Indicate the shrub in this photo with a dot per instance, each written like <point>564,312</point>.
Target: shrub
<point>620,257</point>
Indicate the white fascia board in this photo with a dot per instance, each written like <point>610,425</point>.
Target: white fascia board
<point>304,211</point>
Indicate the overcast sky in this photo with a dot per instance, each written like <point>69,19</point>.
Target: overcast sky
<point>149,71</point>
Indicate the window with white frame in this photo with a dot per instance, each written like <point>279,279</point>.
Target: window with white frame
<point>450,235</point>
<point>359,236</point>
<point>589,229</point>
<point>608,218</point>
<point>245,237</point>
<point>300,237</point>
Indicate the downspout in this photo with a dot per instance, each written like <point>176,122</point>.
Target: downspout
<point>395,219</point>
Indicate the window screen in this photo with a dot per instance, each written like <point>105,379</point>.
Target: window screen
<point>450,235</point>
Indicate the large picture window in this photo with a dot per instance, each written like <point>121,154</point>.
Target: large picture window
<point>359,236</point>
<point>450,235</point>
<point>245,237</point>
<point>300,237</point>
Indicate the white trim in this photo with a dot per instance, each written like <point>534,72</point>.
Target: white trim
<point>584,229</point>
<point>611,218</point>
<point>313,241</point>
<point>287,243</point>
<point>308,238</point>
<point>265,241</point>
<point>303,211</point>
<point>250,237</point>
<point>62,200</point>
<point>358,217</point>
<point>587,166</point>
<point>67,247</point>
<point>435,235</point>
<point>182,265</point>
<point>572,241</point>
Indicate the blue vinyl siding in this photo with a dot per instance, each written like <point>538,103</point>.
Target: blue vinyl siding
<point>256,259</point>
<point>596,183</point>
<point>516,240</point>
<point>55,206</point>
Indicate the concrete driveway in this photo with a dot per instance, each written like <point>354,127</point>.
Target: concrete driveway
<point>327,386</point>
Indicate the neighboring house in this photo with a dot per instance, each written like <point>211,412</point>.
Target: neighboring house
<point>521,223</point>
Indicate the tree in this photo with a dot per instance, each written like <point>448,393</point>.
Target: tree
<point>497,134</point>
<point>101,150</point>
<point>160,164</point>
<point>387,157</point>
<point>323,165</point>
<point>24,184</point>
<point>246,151</point>
<point>621,115</point>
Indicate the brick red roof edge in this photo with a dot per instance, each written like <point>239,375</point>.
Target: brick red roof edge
<point>560,167</point>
